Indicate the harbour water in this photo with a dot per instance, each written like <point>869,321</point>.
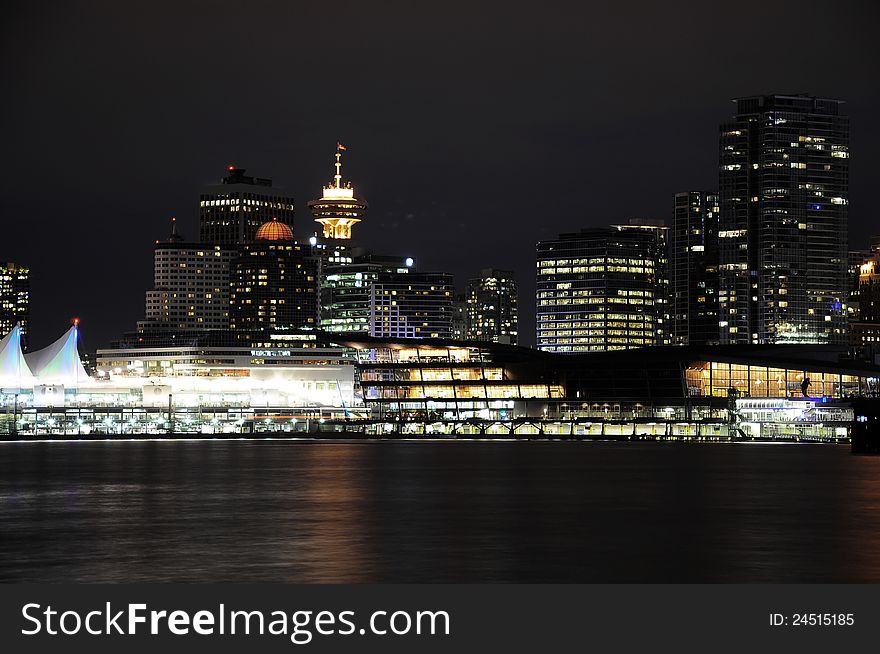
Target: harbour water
<point>450,511</point>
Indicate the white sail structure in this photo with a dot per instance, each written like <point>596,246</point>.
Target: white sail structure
<point>14,370</point>
<point>59,363</point>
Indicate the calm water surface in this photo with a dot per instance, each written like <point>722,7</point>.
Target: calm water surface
<point>305,511</point>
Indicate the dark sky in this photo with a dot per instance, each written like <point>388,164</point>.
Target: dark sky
<point>473,129</point>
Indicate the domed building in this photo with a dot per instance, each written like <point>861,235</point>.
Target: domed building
<point>274,282</point>
<point>274,230</point>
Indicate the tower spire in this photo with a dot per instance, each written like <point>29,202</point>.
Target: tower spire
<point>338,176</point>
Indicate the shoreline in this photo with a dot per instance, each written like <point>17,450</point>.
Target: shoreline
<point>351,438</point>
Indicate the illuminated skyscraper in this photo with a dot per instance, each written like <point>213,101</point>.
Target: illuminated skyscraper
<point>15,284</point>
<point>338,210</point>
<point>231,212</point>
<point>492,307</point>
<point>274,282</point>
<point>784,191</point>
<point>693,263</point>
<point>596,290</point>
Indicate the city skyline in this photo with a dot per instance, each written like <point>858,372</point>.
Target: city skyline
<point>453,141</point>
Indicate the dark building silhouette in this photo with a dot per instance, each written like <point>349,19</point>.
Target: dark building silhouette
<point>492,313</point>
<point>693,263</point>
<point>459,316</point>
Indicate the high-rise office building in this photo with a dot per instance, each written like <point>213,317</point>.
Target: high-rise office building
<point>231,212</point>
<point>190,285</point>
<point>693,264</point>
<point>346,290</point>
<point>659,233</point>
<point>783,221</point>
<point>15,290</point>
<point>338,210</point>
<point>596,290</point>
<point>274,282</point>
<point>411,305</point>
<point>492,307</point>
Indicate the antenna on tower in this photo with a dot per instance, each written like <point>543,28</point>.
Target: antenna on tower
<point>339,150</point>
<point>174,235</point>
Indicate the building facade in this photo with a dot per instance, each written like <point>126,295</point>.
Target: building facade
<point>784,192</point>
<point>231,212</point>
<point>492,313</point>
<point>15,290</point>
<point>658,232</point>
<point>596,290</point>
<point>190,285</point>
<point>865,325</point>
<point>855,260</point>
<point>274,282</point>
<point>693,264</point>
<point>411,305</point>
<point>346,290</point>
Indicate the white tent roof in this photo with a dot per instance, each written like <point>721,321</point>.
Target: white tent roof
<point>59,363</point>
<point>14,370</point>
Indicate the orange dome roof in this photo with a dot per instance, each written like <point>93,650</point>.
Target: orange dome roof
<point>274,231</point>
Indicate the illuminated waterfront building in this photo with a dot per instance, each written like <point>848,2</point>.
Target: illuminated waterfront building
<point>439,386</point>
<point>209,382</point>
<point>411,305</point>
<point>274,282</point>
<point>15,284</point>
<point>338,210</point>
<point>275,370</point>
<point>190,285</point>
<point>442,380</point>
<point>295,381</point>
<point>597,290</point>
<point>492,307</point>
<point>693,263</point>
<point>232,211</point>
<point>784,195</point>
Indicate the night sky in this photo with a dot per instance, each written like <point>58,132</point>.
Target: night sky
<point>473,129</point>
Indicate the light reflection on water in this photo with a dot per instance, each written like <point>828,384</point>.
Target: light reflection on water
<point>307,511</point>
